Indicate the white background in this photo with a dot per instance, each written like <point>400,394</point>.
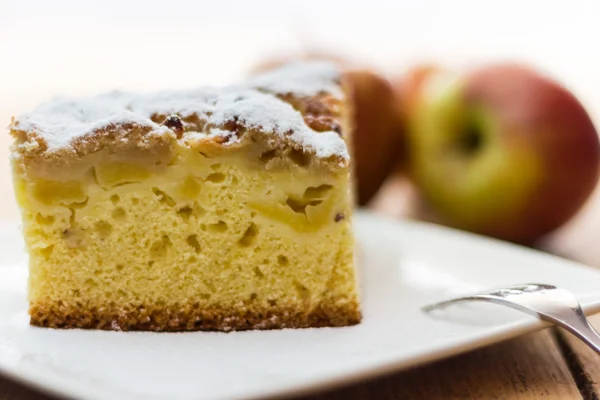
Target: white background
<point>70,46</point>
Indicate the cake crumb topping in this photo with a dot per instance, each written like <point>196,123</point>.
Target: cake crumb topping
<point>268,103</point>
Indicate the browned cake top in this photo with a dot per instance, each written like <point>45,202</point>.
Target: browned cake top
<point>298,105</point>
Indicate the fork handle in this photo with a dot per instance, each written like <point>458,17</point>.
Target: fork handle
<point>570,318</point>
<point>578,325</point>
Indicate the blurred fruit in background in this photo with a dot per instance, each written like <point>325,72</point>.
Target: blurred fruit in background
<point>500,150</point>
<point>408,87</point>
<point>377,136</point>
<point>378,133</point>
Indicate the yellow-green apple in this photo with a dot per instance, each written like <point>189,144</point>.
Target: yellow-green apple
<point>377,135</point>
<point>502,150</point>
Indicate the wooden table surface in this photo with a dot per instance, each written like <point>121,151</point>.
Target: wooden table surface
<point>549,364</point>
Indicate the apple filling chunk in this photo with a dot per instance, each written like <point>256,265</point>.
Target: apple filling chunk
<point>306,213</point>
<point>116,173</point>
<point>55,192</point>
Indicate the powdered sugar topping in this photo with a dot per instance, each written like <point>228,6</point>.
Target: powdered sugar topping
<point>303,78</point>
<point>259,110</point>
<point>62,120</point>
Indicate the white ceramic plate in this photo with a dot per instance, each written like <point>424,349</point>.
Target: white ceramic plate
<point>404,265</point>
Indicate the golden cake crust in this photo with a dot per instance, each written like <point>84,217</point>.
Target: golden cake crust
<point>192,317</point>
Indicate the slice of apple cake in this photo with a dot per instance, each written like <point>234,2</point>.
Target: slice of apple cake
<point>211,209</point>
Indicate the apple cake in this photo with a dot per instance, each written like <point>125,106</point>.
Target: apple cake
<point>209,209</point>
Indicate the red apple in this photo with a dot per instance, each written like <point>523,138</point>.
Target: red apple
<point>502,150</point>
<point>377,135</point>
<point>377,140</point>
<point>409,87</point>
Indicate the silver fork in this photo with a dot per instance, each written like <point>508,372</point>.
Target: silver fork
<point>549,303</point>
